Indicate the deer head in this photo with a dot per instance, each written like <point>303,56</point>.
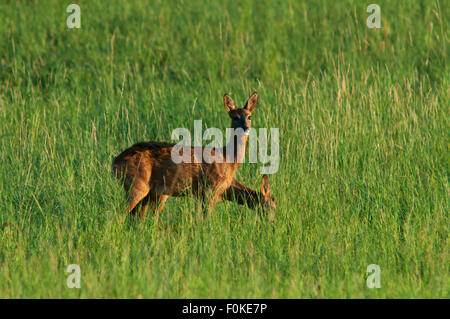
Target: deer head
<point>241,118</point>
<point>266,199</point>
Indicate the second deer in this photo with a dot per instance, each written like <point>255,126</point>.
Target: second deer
<point>245,195</point>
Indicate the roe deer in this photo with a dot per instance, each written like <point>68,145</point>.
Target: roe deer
<point>150,175</point>
<point>245,195</point>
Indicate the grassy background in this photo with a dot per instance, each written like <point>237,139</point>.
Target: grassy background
<point>364,124</point>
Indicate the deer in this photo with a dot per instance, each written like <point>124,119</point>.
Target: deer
<point>150,175</point>
<point>245,195</point>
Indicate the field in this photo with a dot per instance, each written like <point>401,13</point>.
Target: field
<point>364,147</point>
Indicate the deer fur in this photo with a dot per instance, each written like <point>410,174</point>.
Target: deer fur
<point>150,175</point>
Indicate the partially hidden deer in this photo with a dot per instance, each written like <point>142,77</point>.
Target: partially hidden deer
<point>244,195</point>
<point>150,175</point>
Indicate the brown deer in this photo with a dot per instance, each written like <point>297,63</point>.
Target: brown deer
<point>245,195</point>
<point>150,175</point>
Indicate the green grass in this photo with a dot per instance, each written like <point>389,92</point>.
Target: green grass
<point>364,155</point>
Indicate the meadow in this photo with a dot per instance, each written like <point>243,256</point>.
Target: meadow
<point>364,147</point>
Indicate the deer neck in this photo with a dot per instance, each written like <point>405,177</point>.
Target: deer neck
<point>234,151</point>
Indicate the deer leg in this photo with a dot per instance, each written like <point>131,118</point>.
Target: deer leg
<point>200,205</point>
<point>144,206</point>
<point>216,197</point>
<point>212,203</point>
<point>162,200</point>
<point>138,192</point>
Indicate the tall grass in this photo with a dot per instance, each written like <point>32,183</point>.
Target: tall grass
<point>364,124</point>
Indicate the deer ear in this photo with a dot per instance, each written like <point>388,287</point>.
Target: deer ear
<point>228,102</point>
<point>265,186</point>
<point>251,102</point>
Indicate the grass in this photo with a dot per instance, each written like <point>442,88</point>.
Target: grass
<point>364,147</point>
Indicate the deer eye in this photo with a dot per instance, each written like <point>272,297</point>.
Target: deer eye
<point>249,118</point>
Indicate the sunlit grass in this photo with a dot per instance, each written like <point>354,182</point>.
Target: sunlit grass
<point>364,133</point>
